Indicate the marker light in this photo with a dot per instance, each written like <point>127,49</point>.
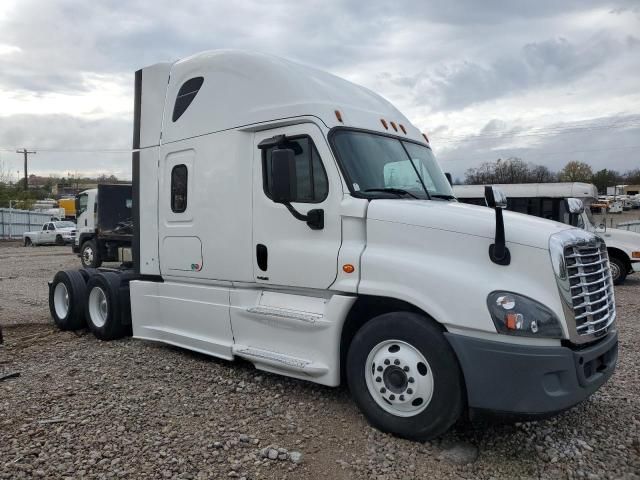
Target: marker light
<point>339,116</point>
<point>394,126</point>
<point>635,254</point>
<point>404,130</point>
<point>384,123</point>
<point>348,268</point>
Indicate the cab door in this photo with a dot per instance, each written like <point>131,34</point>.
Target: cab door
<point>287,251</point>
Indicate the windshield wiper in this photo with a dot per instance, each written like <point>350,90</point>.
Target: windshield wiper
<point>441,195</point>
<point>396,191</point>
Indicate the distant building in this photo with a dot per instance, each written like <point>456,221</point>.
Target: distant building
<point>631,189</point>
<point>617,190</point>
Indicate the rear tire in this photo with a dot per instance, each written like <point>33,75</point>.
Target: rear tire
<point>90,255</point>
<point>405,377</point>
<point>66,300</point>
<point>618,270</point>
<point>104,316</point>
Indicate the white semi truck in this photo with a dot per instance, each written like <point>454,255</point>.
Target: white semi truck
<point>551,201</point>
<point>291,218</point>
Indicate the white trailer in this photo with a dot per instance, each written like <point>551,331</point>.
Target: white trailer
<point>549,200</point>
<point>291,218</point>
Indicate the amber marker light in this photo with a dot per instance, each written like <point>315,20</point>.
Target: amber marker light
<point>394,126</point>
<point>339,116</point>
<point>384,123</point>
<point>404,130</point>
<point>348,268</point>
<point>635,254</point>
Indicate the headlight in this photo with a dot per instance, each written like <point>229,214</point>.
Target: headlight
<point>518,315</point>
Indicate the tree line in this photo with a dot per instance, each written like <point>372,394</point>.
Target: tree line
<point>516,170</point>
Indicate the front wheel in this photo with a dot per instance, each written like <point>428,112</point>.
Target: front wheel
<point>27,242</point>
<point>59,240</point>
<point>405,377</point>
<point>618,270</point>
<point>90,255</point>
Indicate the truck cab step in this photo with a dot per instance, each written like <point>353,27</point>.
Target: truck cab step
<point>278,360</point>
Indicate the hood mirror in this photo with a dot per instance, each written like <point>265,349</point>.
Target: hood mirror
<point>498,251</point>
<point>574,205</point>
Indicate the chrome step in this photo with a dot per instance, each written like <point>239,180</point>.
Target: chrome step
<point>279,360</point>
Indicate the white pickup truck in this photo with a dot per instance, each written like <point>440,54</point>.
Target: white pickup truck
<point>51,233</point>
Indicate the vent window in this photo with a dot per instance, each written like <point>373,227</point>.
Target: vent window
<point>186,94</point>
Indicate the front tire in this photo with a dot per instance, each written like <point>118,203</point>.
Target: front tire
<point>618,270</point>
<point>66,300</point>
<point>28,242</point>
<point>59,240</point>
<point>90,255</point>
<point>405,377</point>
<point>104,315</point>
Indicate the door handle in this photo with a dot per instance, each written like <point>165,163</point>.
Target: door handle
<point>262,256</point>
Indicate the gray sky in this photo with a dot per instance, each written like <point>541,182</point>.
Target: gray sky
<point>547,81</point>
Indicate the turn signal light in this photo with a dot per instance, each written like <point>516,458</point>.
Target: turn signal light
<point>635,254</point>
<point>348,268</point>
<point>514,321</point>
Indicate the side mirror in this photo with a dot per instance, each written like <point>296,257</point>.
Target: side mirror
<point>448,175</point>
<point>574,205</point>
<point>283,175</point>
<point>498,251</point>
<point>495,197</point>
<point>601,228</point>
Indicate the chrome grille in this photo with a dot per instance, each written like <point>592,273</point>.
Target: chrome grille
<point>590,287</point>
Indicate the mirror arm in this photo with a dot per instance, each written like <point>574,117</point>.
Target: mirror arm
<point>498,251</point>
<point>314,218</point>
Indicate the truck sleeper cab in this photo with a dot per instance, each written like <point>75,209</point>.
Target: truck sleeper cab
<point>299,221</point>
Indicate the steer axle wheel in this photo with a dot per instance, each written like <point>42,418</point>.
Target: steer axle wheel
<point>90,255</point>
<point>618,270</point>
<point>67,293</point>
<point>404,376</point>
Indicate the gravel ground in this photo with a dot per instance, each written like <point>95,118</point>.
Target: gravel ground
<point>82,408</point>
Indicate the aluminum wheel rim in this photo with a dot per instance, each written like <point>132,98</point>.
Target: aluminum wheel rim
<point>615,270</point>
<point>88,255</point>
<point>98,307</point>
<point>399,378</point>
<point>61,300</point>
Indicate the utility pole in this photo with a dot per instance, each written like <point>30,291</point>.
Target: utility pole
<point>26,178</point>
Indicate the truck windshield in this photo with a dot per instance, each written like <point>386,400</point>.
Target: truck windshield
<point>64,224</point>
<point>377,165</point>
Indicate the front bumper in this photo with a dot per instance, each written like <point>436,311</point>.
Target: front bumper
<point>530,380</point>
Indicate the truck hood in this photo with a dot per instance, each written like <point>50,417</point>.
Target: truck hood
<point>465,219</point>
<point>631,240</point>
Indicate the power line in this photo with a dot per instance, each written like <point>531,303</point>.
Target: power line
<point>541,132</point>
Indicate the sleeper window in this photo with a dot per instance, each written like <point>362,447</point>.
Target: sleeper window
<point>312,183</point>
<point>186,94</point>
<point>179,176</point>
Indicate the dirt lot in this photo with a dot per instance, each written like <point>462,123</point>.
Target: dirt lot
<point>82,408</point>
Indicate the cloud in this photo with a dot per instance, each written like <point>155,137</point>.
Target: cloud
<point>67,65</point>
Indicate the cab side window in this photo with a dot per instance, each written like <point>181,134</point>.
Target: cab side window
<point>179,177</point>
<point>45,226</point>
<point>311,177</point>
